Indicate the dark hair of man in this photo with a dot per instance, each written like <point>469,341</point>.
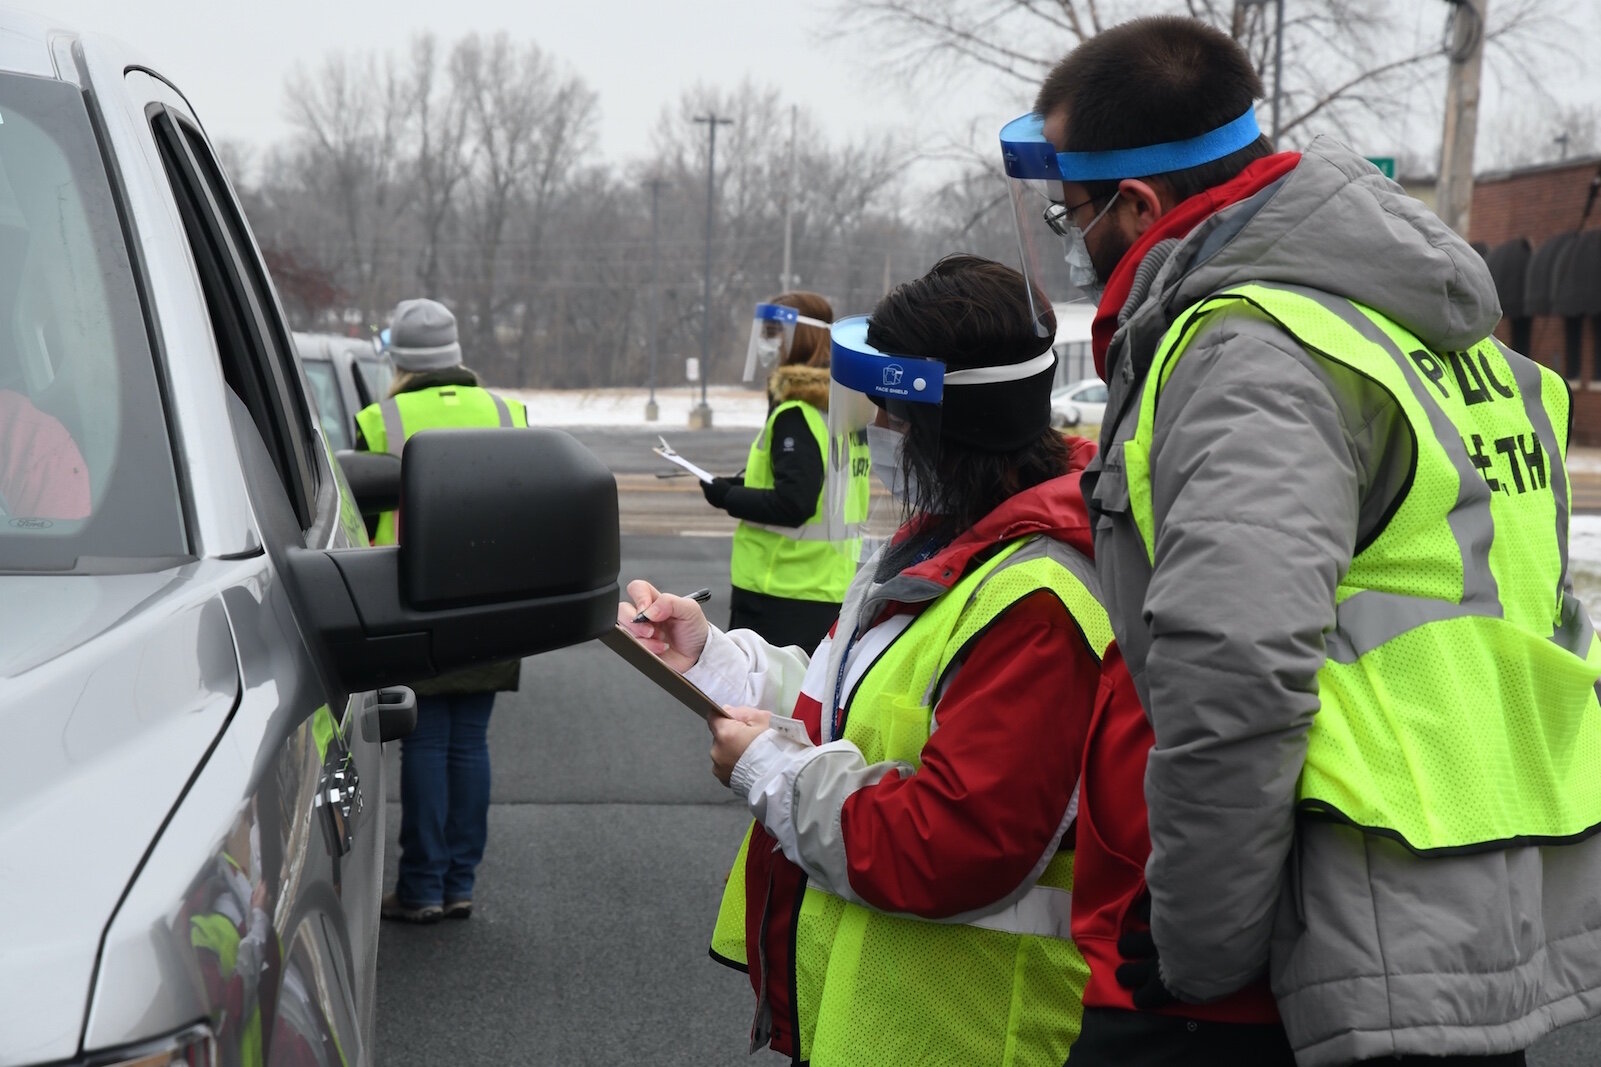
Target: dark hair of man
<point>810,346</point>
<point>966,312</point>
<point>1150,81</point>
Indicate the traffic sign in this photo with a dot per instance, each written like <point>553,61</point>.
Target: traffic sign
<point>1386,165</point>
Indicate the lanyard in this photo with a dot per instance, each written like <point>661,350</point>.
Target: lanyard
<point>839,690</point>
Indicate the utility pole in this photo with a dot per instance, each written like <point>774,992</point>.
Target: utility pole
<point>1466,54</point>
<point>651,411</point>
<point>701,417</point>
<point>786,280</point>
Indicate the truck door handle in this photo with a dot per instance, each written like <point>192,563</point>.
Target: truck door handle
<point>397,712</point>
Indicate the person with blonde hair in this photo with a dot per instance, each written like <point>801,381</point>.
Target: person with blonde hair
<point>444,761</point>
<point>788,577</point>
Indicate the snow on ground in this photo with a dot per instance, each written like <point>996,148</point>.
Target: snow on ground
<point>732,407</point>
<point>1584,543</point>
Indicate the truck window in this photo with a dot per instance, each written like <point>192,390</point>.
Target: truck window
<point>324,382</point>
<point>87,479</point>
<point>254,347</point>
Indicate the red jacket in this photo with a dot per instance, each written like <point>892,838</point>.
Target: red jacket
<point>996,778</point>
<point>1112,844</point>
<point>42,473</point>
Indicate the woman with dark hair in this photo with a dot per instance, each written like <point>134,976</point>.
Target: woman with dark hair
<point>788,576</point>
<point>903,895</point>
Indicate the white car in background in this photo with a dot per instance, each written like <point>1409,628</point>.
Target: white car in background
<point>1080,403</point>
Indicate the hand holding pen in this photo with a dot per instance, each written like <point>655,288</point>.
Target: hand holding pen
<point>676,631</point>
<point>699,596</point>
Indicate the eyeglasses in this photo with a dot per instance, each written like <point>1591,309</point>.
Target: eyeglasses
<point>1059,217</point>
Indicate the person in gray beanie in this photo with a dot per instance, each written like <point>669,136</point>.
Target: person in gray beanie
<point>422,337</point>
<point>444,762</point>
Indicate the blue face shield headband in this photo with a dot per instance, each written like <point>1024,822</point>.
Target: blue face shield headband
<point>1028,156</point>
<point>997,408</point>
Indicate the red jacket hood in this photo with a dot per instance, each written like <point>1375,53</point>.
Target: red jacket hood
<point>1054,508</point>
<point>1177,223</point>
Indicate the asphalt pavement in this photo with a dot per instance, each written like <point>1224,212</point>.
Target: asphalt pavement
<point>609,843</point>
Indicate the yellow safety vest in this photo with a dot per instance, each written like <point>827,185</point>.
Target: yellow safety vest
<point>1459,708</point>
<point>386,425</point>
<point>800,562</point>
<point>1004,989</point>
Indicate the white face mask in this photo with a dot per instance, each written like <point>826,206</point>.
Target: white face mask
<point>1080,268</point>
<point>767,349</point>
<point>884,450</point>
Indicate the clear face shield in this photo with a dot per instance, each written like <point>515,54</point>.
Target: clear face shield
<point>772,336</point>
<point>1051,231</point>
<point>879,402</point>
<point>1040,213</point>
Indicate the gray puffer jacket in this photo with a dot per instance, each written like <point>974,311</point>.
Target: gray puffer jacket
<point>1270,466</point>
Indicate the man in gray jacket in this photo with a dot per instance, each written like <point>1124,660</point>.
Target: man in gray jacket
<point>1331,522</point>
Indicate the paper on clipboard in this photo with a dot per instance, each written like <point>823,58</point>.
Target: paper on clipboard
<point>650,665</point>
<point>665,451</point>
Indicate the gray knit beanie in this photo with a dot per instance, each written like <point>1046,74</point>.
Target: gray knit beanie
<point>422,336</point>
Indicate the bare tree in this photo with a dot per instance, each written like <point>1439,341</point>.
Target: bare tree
<point>465,169</point>
<point>526,122</point>
<point>440,160</point>
<point>1344,60</point>
<point>351,117</point>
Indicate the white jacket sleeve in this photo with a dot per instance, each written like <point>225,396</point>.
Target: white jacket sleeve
<point>739,668</point>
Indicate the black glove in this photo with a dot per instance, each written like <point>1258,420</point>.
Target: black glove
<point>1140,972</point>
<point>716,490</point>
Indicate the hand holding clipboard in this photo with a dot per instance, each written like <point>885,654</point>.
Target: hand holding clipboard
<point>668,646</point>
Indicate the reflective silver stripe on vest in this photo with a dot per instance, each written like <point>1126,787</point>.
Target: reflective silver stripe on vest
<point>394,428</point>
<point>810,532</point>
<point>1371,618</point>
<point>1530,384</point>
<point>1070,559</point>
<point>1044,911</point>
<point>502,411</point>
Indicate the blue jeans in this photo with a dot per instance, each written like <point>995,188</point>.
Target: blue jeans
<point>444,798</point>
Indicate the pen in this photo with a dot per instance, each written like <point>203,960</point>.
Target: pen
<point>699,596</point>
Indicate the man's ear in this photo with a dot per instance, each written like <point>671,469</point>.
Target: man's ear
<point>1145,200</point>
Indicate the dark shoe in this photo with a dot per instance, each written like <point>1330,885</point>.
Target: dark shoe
<point>459,909</point>
<point>399,911</point>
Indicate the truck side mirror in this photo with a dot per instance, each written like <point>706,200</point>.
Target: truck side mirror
<point>508,547</point>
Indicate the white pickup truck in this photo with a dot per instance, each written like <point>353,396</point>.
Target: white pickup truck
<point>194,638</point>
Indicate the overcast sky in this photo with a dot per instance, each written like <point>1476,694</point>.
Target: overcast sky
<point>231,57</point>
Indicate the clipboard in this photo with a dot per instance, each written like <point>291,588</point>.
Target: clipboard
<point>650,665</point>
<point>665,451</point>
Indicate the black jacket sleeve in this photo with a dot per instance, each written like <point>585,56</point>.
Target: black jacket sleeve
<point>370,521</point>
<point>797,477</point>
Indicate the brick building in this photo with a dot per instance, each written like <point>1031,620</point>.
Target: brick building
<point>1539,228</point>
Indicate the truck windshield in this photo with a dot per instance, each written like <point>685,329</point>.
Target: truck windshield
<point>87,480</point>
